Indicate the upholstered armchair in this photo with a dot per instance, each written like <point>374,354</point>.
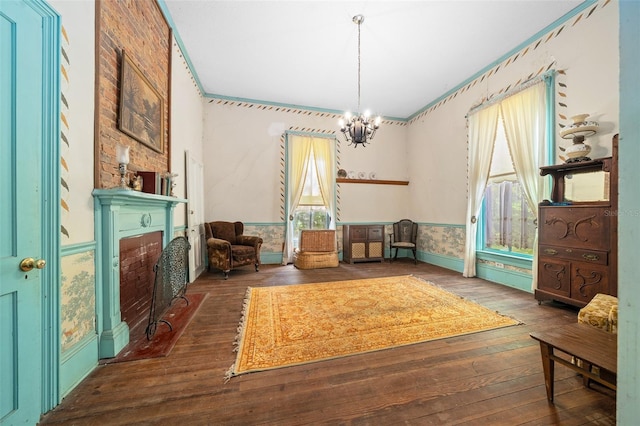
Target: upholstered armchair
<point>405,234</point>
<point>228,248</point>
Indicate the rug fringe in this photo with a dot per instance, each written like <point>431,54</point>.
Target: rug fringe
<point>239,332</point>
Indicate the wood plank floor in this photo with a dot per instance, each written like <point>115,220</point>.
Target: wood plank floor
<point>488,378</point>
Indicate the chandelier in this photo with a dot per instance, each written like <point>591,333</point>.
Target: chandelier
<point>359,129</point>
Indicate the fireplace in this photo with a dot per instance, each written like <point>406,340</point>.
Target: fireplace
<point>138,256</point>
<point>122,215</point>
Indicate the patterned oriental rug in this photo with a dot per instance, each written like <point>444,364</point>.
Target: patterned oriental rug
<point>296,324</point>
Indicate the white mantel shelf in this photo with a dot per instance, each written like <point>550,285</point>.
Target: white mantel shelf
<point>119,214</point>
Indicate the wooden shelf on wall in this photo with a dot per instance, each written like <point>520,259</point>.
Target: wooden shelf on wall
<point>373,181</point>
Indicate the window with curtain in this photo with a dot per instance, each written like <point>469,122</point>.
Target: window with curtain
<point>311,213</point>
<point>310,187</point>
<point>508,224</point>
<point>507,145</point>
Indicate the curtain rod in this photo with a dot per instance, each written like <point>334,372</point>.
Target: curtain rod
<point>523,86</point>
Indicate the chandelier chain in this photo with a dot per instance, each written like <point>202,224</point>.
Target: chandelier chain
<point>359,24</point>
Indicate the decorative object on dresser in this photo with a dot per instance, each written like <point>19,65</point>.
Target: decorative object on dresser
<point>578,232</point>
<point>580,129</point>
<point>363,243</point>
<point>228,248</point>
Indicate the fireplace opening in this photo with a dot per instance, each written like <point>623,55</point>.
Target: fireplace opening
<point>138,255</point>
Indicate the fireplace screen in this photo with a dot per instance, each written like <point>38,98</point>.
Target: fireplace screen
<point>171,278</point>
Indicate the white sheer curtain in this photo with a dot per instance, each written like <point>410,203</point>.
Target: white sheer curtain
<point>482,134</point>
<point>298,155</point>
<point>299,150</point>
<point>524,117</point>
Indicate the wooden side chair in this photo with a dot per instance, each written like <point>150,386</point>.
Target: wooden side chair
<point>404,236</point>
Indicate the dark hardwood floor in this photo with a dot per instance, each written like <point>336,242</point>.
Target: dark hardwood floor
<point>488,378</point>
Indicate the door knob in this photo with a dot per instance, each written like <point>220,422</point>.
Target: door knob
<point>28,263</point>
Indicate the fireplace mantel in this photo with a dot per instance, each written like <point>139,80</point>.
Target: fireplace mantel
<point>121,214</point>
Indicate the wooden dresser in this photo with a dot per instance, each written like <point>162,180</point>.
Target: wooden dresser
<point>363,243</point>
<point>577,240</point>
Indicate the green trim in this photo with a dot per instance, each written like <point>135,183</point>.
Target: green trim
<point>265,224</point>
<point>271,258</point>
<point>507,55</point>
<point>78,248</point>
<point>364,223</point>
<point>183,49</point>
<point>50,199</point>
<point>77,363</point>
<point>312,134</point>
<point>505,277</point>
<point>440,225</point>
<point>453,263</point>
<point>506,259</point>
<point>292,106</point>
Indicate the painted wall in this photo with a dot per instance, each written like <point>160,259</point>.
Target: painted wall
<point>438,136</point>
<point>186,126</point>
<point>244,164</point>
<point>78,338</point>
<point>628,393</point>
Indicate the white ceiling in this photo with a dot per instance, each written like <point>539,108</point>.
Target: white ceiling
<point>305,52</point>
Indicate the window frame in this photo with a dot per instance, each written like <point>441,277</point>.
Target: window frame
<point>522,260</point>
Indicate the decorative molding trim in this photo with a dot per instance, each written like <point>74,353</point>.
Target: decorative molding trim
<point>78,248</point>
<point>544,36</point>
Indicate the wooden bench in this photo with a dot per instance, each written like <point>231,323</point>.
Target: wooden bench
<point>591,345</point>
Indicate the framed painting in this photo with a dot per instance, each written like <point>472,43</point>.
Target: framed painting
<point>141,107</point>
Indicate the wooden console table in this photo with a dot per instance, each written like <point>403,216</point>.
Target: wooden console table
<point>593,346</point>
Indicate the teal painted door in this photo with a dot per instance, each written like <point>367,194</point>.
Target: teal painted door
<point>20,212</point>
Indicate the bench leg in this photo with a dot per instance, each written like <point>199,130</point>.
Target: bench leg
<point>547,366</point>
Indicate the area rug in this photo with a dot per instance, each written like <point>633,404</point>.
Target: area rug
<point>297,324</point>
<point>179,315</point>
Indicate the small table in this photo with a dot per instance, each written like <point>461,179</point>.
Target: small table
<point>593,346</point>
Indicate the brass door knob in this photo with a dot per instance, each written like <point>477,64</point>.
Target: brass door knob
<point>28,263</point>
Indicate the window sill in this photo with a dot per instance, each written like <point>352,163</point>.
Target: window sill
<point>523,261</point>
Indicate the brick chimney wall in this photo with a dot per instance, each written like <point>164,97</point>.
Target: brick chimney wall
<point>139,28</point>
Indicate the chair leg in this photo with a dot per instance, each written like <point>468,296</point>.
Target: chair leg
<point>226,274</point>
<point>415,258</point>
<point>257,265</point>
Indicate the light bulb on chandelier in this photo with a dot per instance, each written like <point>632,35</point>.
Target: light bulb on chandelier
<point>358,129</point>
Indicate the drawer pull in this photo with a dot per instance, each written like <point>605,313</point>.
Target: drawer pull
<point>592,257</point>
<point>550,251</point>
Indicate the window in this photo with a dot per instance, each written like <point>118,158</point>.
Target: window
<point>311,212</point>
<point>310,201</point>
<point>508,223</point>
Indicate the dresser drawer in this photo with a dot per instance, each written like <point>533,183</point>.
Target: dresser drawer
<point>577,254</point>
<point>577,227</point>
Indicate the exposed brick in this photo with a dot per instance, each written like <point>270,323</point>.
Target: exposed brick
<point>138,28</point>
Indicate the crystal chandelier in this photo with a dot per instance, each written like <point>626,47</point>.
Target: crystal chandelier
<point>359,129</point>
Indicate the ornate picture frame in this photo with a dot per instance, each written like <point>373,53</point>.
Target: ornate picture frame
<point>141,114</point>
